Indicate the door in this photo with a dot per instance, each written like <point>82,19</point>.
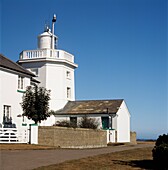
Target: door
<point>105,122</point>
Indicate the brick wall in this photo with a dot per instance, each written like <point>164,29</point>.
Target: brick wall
<point>71,138</point>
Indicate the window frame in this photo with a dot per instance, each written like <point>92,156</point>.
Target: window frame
<point>7,114</point>
<point>68,74</point>
<point>105,122</point>
<point>68,92</point>
<point>21,84</point>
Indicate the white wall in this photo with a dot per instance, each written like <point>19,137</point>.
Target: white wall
<point>41,71</point>
<point>57,83</point>
<point>34,134</point>
<point>10,96</point>
<point>123,124</point>
<point>114,123</point>
<point>52,76</point>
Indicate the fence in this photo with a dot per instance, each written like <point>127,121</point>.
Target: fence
<point>12,135</point>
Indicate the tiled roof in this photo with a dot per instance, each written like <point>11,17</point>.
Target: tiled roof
<point>9,64</point>
<point>91,107</point>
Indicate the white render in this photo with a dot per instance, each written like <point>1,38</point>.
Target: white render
<point>34,134</point>
<point>11,96</point>
<point>121,123</point>
<point>44,40</point>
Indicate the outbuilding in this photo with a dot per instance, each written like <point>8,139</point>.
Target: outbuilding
<point>112,115</point>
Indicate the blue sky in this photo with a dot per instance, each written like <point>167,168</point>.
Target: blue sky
<point>119,45</point>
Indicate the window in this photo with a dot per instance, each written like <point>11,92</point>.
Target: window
<point>20,82</point>
<point>7,114</point>
<point>68,75</point>
<point>68,92</point>
<point>73,121</point>
<point>34,71</point>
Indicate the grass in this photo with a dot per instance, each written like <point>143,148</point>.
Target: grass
<point>126,160</point>
<point>24,147</point>
<point>39,147</point>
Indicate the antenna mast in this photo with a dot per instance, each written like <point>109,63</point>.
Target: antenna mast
<point>46,26</point>
<point>53,22</point>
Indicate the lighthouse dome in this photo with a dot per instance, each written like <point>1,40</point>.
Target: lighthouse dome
<point>45,40</point>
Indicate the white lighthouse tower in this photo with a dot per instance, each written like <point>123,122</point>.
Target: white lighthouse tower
<point>54,69</point>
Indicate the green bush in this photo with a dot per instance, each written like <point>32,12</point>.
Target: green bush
<point>89,123</point>
<point>160,152</point>
<point>162,139</point>
<point>62,123</point>
<point>85,122</point>
<point>65,123</point>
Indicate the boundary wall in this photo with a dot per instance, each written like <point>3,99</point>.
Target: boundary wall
<point>71,137</point>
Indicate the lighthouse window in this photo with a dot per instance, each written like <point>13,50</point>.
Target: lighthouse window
<point>68,75</point>
<point>68,92</point>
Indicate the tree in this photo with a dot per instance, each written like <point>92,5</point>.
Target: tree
<point>35,103</point>
<point>160,152</point>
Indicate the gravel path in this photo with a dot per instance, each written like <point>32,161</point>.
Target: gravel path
<point>29,159</point>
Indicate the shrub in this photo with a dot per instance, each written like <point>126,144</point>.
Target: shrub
<point>63,123</point>
<point>162,139</point>
<point>89,123</point>
<point>160,152</point>
<point>85,122</point>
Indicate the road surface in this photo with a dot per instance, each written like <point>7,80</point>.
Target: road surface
<point>29,159</point>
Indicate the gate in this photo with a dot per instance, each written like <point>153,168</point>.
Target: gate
<point>13,135</point>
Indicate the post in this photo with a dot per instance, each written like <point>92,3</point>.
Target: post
<point>53,21</point>
<point>33,134</point>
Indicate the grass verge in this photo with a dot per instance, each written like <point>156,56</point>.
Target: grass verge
<point>24,147</point>
<point>127,160</point>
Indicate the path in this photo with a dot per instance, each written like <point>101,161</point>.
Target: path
<point>29,159</point>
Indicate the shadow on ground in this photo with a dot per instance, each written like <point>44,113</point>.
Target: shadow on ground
<point>144,164</point>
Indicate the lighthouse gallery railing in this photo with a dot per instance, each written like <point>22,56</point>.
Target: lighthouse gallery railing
<point>46,53</point>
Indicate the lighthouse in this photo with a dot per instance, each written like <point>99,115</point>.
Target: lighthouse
<point>54,69</point>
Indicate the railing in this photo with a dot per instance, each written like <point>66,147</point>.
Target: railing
<point>12,135</point>
<point>46,53</point>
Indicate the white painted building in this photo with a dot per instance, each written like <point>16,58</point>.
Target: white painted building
<point>13,82</point>
<point>54,69</point>
<point>111,115</point>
